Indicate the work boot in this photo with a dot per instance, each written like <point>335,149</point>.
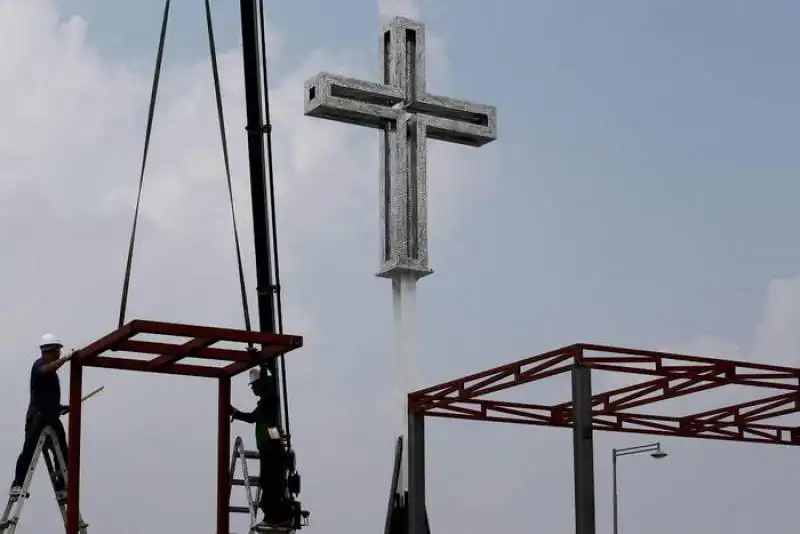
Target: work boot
<point>16,492</point>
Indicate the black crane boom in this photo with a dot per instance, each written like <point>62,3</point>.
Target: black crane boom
<point>264,232</point>
<point>258,174</point>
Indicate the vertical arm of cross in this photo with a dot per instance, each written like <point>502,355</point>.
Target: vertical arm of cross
<point>403,186</point>
<point>408,116</point>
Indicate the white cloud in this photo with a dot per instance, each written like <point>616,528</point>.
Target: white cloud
<point>70,143</point>
<point>70,140</point>
<point>777,338</point>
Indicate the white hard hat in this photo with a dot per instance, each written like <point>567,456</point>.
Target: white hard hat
<point>49,340</point>
<point>255,374</point>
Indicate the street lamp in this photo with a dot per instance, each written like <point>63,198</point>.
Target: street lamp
<point>655,451</point>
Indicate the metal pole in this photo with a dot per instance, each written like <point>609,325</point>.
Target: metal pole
<point>616,497</point>
<point>74,445</point>
<point>417,521</point>
<point>258,173</point>
<point>583,449</point>
<point>223,456</point>
<point>655,451</point>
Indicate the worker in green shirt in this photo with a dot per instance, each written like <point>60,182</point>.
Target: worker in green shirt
<point>272,453</point>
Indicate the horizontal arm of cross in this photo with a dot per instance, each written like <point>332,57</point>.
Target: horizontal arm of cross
<point>334,97</point>
<point>457,121</point>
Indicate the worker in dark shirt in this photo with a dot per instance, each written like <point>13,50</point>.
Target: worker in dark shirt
<point>44,410</point>
<point>272,453</point>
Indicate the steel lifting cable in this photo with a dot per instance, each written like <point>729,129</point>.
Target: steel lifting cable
<point>225,155</point>
<point>151,112</point>
<point>273,217</point>
<point>221,118</point>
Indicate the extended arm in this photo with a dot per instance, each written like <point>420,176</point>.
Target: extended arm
<point>247,417</point>
<point>52,367</point>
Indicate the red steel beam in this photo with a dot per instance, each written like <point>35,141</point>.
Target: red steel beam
<point>501,371</point>
<point>74,446</point>
<point>190,348</point>
<point>641,354</point>
<point>105,343</point>
<point>730,378</point>
<point>651,391</point>
<point>649,363</point>
<point>531,414</point>
<point>747,412</point>
<point>674,375</point>
<point>177,351</point>
<point>199,346</point>
<point>223,455</point>
<point>524,372</point>
<point>109,362</point>
<point>213,332</point>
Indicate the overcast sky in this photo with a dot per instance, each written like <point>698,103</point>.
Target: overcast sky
<point>642,192</point>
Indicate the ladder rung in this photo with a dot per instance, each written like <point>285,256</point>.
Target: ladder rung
<point>251,455</point>
<point>252,481</point>
<point>239,509</point>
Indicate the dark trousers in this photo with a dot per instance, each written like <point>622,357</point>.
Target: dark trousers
<point>35,423</point>
<point>273,482</point>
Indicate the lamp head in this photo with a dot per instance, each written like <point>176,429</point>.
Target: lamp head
<point>658,454</point>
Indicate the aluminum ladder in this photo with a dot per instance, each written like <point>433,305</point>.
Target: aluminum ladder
<point>250,483</point>
<point>46,447</point>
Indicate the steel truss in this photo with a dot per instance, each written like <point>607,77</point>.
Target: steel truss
<point>677,375</point>
<point>179,341</point>
<point>661,376</point>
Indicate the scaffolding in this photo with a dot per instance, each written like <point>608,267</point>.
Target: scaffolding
<point>175,342</point>
<point>659,376</point>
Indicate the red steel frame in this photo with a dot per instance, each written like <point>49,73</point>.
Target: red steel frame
<point>167,361</point>
<point>663,376</point>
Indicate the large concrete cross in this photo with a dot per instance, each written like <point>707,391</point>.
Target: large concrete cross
<point>407,115</point>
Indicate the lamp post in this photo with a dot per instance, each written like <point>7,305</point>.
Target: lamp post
<point>655,451</point>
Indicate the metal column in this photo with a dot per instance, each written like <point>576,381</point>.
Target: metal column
<point>74,445</point>
<point>417,523</point>
<point>223,456</point>
<point>583,449</point>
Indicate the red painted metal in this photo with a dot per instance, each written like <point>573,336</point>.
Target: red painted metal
<point>223,456</point>
<point>663,376</point>
<point>166,360</point>
<point>74,448</point>
<point>124,364</point>
<point>199,346</point>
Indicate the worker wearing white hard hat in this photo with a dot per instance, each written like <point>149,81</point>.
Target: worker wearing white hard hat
<point>44,409</point>
<point>272,454</point>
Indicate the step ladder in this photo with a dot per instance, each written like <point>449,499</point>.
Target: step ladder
<point>250,483</point>
<point>252,487</point>
<point>46,447</point>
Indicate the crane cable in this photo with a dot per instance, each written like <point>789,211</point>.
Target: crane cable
<point>150,114</point>
<point>212,48</point>
<point>225,154</point>
<point>273,221</point>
